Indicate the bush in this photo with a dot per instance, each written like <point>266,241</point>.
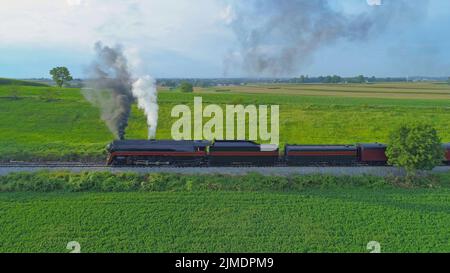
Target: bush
<point>186,87</point>
<point>46,181</point>
<point>415,147</point>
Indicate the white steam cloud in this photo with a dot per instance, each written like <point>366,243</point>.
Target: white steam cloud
<point>144,90</point>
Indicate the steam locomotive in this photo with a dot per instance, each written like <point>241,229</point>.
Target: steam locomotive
<point>243,153</point>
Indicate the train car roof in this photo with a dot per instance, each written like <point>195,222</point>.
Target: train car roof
<point>372,145</point>
<point>232,143</point>
<point>152,144</point>
<point>320,147</point>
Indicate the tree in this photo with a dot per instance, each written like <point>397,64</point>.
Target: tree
<point>61,75</point>
<point>336,79</point>
<point>415,147</point>
<point>448,80</point>
<point>186,87</point>
<point>360,79</point>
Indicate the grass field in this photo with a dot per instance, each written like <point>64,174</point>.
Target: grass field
<point>46,123</point>
<point>324,220</point>
<point>195,214</point>
<point>177,213</point>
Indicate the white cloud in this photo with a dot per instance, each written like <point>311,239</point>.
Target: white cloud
<point>228,14</point>
<point>374,2</point>
<point>173,25</point>
<point>75,2</point>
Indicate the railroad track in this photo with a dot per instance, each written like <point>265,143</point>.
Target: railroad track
<point>104,165</point>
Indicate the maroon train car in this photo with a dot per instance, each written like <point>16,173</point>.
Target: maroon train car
<point>372,154</point>
<point>447,153</point>
<point>321,155</point>
<point>242,153</point>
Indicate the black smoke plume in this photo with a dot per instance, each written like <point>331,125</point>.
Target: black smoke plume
<point>110,87</point>
<point>277,37</point>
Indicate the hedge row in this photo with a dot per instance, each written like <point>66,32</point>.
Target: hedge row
<point>46,181</point>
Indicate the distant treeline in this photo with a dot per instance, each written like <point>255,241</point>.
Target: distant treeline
<point>4,81</point>
<point>331,79</point>
<point>210,82</point>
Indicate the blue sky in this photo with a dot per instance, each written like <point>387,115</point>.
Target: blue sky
<point>190,38</point>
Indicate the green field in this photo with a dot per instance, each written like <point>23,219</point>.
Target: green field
<point>46,123</point>
<point>164,213</point>
<point>210,213</point>
<point>311,221</point>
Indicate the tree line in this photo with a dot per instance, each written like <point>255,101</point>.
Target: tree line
<point>61,76</point>
<point>330,79</point>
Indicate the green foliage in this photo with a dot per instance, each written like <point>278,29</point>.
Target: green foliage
<point>358,79</point>
<point>61,75</point>
<point>186,87</point>
<point>253,213</point>
<point>415,147</point>
<point>156,182</point>
<point>314,220</point>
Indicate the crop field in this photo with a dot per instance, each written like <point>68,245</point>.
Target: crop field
<point>378,90</point>
<point>326,220</point>
<point>46,123</point>
<point>195,215</point>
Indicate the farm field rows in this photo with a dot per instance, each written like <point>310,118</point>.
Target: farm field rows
<point>379,90</point>
<point>44,123</point>
<point>312,221</point>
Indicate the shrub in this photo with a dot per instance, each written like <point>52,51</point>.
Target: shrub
<point>125,182</point>
<point>186,87</point>
<point>415,147</point>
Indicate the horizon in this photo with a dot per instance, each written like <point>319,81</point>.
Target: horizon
<point>261,78</point>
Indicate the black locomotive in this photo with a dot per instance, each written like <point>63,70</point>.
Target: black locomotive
<point>157,152</point>
<point>243,153</point>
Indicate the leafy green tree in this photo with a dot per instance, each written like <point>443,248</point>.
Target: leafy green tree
<point>415,147</point>
<point>61,75</point>
<point>336,79</point>
<point>360,79</point>
<point>448,80</point>
<point>186,87</point>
